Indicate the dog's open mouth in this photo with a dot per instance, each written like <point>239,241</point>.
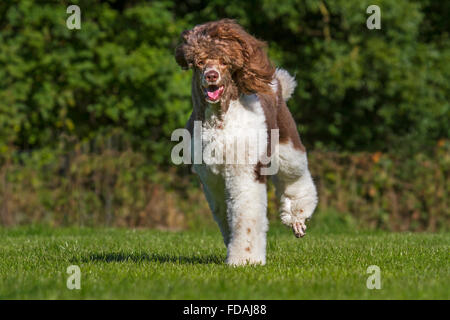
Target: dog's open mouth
<point>213,93</point>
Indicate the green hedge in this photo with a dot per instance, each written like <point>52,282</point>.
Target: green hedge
<point>107,183</point>
<point>386,191</point>
<point>359,89</point>
<point>64,94</point>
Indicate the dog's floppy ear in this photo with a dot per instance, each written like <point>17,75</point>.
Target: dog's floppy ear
<point>180,51</point>
<point>180,57</point>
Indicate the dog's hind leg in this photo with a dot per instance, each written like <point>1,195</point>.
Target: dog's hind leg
<point>247,216</point>
<point>295,188</point>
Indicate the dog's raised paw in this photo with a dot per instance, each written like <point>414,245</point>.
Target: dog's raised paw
<point>299,229</point>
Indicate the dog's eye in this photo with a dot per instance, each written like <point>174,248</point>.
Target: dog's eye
<point>223,62</point>
<point>200,63</point>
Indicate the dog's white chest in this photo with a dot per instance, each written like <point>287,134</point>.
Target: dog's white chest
<point>239,138</point>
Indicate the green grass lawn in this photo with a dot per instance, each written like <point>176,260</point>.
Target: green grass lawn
<point>149,264</point>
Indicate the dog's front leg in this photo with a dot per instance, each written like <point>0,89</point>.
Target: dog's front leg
<point>213,187</point>
<point>295,189</point>
<point>247,216</point>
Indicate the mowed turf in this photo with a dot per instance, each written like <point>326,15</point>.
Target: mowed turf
<point>149,264</point>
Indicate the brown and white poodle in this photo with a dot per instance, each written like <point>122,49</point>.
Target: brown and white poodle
<point>239,108</point>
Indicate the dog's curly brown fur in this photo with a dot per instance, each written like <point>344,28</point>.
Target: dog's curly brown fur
<point>250,67</point>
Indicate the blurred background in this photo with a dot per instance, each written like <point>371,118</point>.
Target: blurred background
<point>86,115</point>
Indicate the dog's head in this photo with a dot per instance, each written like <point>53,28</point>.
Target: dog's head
<point>226,60</point>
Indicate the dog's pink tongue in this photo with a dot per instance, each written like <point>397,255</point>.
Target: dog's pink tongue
<point>213,95</point>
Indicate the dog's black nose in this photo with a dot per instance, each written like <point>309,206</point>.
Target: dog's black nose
<point>212,76</point>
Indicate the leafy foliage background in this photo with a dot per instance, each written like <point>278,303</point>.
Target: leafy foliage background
<point>359,90</point>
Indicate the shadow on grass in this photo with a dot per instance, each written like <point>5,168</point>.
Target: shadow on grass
<point>154,257</point>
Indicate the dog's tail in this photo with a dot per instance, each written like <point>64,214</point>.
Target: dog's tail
<point>287,83</point>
